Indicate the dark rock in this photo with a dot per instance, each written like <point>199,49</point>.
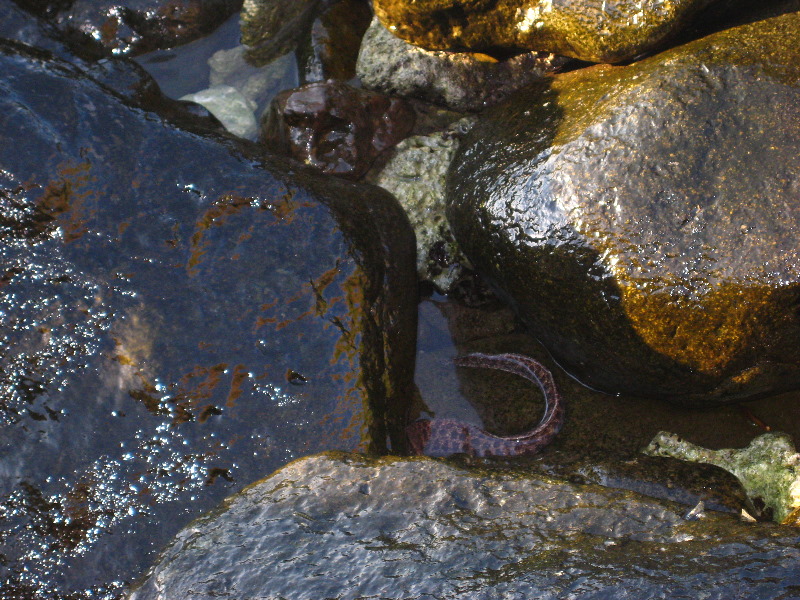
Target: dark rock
<point>592,30</point>
<point>335,127</point>
<point>345,527</point>
<point>121,76</point>
<point>180,316</point>
<point>642,219</point>
<point>22,26</point>
<point>460,80</point>
<point>108,28</point>
<point>334,40</point>
<point>272,28</point>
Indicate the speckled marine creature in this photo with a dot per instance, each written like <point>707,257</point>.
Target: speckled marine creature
<point>443,437</point>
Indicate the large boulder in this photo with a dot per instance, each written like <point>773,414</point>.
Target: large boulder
<point>346,527</point>
<point>643,219</point>
<point>180,316</point>
<point>592,30</point>
<point>109,28</point>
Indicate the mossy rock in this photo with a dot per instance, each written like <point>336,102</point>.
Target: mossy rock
<point>592,30</point>
<point>643,219</point>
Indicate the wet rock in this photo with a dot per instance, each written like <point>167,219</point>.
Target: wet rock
<point>138,26</point>
<point>22,26</point>
<point>592,30</point>
<point>271,28</point>
<point>459,80</point>
<point>334,41</point>
<point>180,316</point>
<point>416,175</point>
<point>346,527</point>
<point>643,218</point>
<point>769,470</point>
<point>334,127</point>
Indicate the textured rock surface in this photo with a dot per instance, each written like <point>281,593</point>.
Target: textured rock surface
<point>643,219</point>
<point>345,528</point>
<point>136,26</point>
<point>592,30</point>
<point>459,80</point>
<point>179,317</point>
<point>331,50</point>
<point>334,127</point>
<point>273,27</point>
<point>769,469</point>
<point>416,175</point>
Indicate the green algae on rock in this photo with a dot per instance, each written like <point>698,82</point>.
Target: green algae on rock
<point>643,219</point>
<point>344,527</point>
<point>769,469</point>
<point>591,30</point>
<point>416,175</point>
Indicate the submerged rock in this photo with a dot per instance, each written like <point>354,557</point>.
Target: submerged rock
<point>258,85</point>
<point>459,80</point>
<point>769,470</point>
<point>643,219</point>
<point>233,110</point>
<point>334,127</point>
<point>592,30</point>
<point>345,527</point>
<point>180,315</point>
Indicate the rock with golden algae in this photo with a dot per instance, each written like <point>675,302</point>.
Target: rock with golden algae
<point>592,30</point>
<point>769,469</point>
<point>644,218</point>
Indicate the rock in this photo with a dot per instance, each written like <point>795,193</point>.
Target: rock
<point>459,80</point>
<point>335,127</point>
<point>180,316</point>
<point>416,175</point>
<point>228,105</point>
<point>22,26</point>
<point>331,49</point>
<point>592,30</point>
<point>769,470</point>
<point>258,85</point>
<point>643,218</point>
<point>273,27</point>
<point>138,26</point>
<point>346,527</point>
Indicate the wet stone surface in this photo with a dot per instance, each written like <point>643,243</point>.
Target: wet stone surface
<point>643,218</point>
<point>271,28</point>
<point>415,173</point>
<point>332,44</point>
<point>459,80</point>
<point>110,28</point>
<point>179,318</point>
<point>591,30</point>
<point>334,127</point>
<point>425,529</point>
